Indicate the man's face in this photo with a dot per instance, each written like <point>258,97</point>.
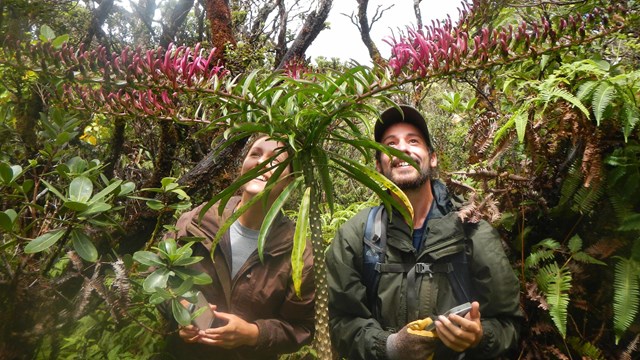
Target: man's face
<point>408,139</point>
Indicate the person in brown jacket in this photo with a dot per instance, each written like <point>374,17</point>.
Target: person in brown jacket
<point>257,312</point>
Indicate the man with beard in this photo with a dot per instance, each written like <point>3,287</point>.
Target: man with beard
<point>420,271</point>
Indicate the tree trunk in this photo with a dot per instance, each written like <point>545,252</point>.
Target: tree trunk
<point>365,33</point>
<point>98,19</point>
<point>219,15</point>
<point>176,19</point>
<point>309,31</point>
<point>322,341</point>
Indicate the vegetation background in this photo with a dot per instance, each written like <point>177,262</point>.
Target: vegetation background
<point>118,116</point>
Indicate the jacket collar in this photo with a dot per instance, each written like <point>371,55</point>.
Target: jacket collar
<point>279,239</point>
<point>443,205</point>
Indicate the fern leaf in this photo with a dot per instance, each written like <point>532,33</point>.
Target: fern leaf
<point>537,257</point>
<point>520,118</point>
<point>549,243</point>
<point>583,257</point>
<point>586,349</point>
<point>601,99</point>
<point>571,183</point>
<point>555,282</point>
<point>630,223</point>
<point>568,97</point>
<point>586,198</point>
<point>575,244</point>
<point>626,295</point>
<point>586,90</point>
<point>631,117</point>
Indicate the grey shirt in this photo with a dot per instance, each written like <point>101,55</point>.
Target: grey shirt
<point>244,242</point>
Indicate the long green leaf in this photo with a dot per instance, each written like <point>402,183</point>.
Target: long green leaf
<point>626,296</point>
<point>371,178</point>
<point>180,313</point>
<point>83,245</point>
<point>321,161</point>
<point>44,241</point>
<point>601,99</point>
<point>273,212</point>
<point>300,241</point>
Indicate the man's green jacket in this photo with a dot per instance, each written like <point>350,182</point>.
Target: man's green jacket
<point>359,334</point>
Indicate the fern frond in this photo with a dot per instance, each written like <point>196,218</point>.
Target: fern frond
<point>631,116</point>
<point>601,99</point>
<point>538,257</point>
<point>586,89</point>
<point>571,183</point>
<point>585,258</point>
<point>630,223</point>
<point>586,349</point>
<point>626,296</point>
<point>555,282</point>
<point>575,244</point>
<point>586,198</point>
<point>552,94</point>
<point>622,209</point>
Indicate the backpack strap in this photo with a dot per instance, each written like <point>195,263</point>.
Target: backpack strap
<point>375,252</point>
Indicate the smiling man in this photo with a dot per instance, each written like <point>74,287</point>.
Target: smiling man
<point>384,275</point>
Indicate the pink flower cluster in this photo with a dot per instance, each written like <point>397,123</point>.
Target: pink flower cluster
<point>442,48</point>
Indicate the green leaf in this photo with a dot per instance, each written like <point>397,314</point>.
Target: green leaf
<point>157,279</point>
<point>57,42</point>
<point>575,244</point>
<point>370,178</point>
<point>555,282</point>
<point>27,185</point>
<point>300,241</point>
<point>586,89</point>
<point>96,208</point>
<point>84,246</point>
<point>80,189</point>
<point>8,173</point>
<point>186,285</point>
<point>601,99</point>
<point>199,278</point>
<point>630,223</point>
<point>187,261</point>
<point>7,218</point>
<point>148,258</point>
<point>626,296</point>
<point>520,119</point>
<point>76,206</point>
<point>155,204</point>
<point>106,191</point>
<point>180,313</point>
<point>44,241</point>
<point>47,32</point>
<point>273,212</point>
<point>127,188</point>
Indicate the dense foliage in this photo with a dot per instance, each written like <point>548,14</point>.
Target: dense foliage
<point>100,149</point>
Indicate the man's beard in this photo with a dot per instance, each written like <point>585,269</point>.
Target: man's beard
<point>424,175</point>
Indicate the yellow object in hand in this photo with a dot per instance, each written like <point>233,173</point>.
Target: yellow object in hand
<point>418,328</point>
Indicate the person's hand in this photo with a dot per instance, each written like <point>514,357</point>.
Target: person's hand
<point>189,333</point>
<point>236,332</point>
<point>458,333</point>
<point>412,342</point>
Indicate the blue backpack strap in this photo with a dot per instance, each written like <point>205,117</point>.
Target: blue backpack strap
<point>374,253</point>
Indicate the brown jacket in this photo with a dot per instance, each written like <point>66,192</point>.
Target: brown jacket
<point>261,293</point>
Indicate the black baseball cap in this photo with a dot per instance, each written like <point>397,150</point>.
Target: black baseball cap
<point>405,113</point>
